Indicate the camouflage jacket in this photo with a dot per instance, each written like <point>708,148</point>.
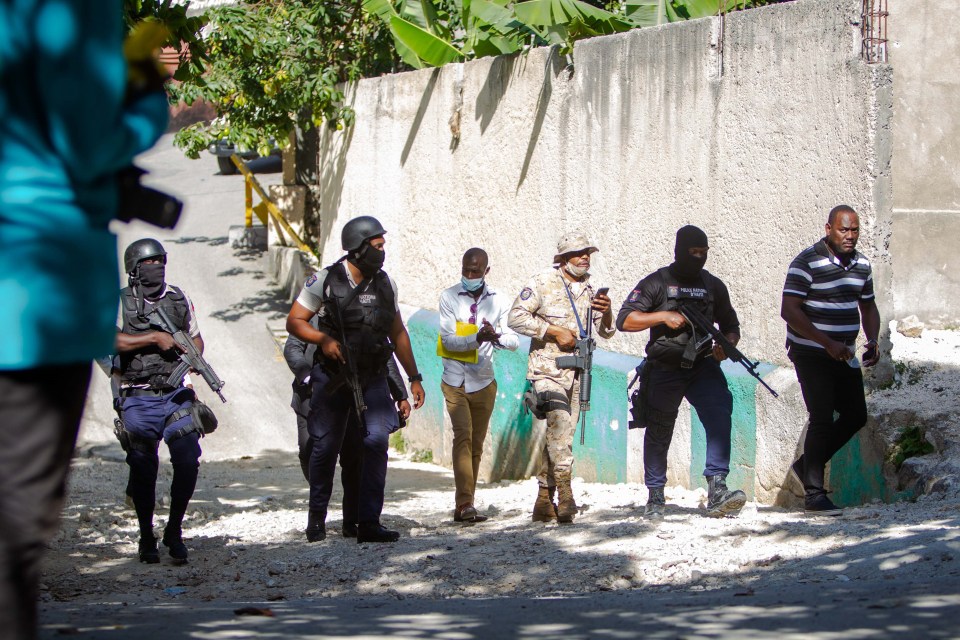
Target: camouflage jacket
<point>544,302</point>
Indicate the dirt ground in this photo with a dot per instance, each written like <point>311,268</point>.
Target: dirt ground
<point>244,532</point>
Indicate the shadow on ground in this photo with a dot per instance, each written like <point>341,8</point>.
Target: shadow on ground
<point>442,581</point>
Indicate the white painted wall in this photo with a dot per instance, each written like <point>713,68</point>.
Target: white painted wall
<point>639,137</point>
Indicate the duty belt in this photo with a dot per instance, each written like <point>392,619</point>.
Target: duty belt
<point>128,392</point>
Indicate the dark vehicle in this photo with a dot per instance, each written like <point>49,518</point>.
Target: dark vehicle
<point>223,149</point>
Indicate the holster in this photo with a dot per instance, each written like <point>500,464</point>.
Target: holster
<point>132,442</point>
<point>642,415</point>
<point>540,403</point>
<point>202,420</point>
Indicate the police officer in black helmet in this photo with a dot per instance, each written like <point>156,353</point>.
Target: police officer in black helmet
<point>356,291</point>
<point>676,369</point>
<point>151,409</point>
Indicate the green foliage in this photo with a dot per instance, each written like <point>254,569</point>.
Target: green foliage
<point>184,31</point>
<point>477,28</point>
<point>272,66</point>
<point>424,455</point>
<point>397,442</point>
<point>911,442</point>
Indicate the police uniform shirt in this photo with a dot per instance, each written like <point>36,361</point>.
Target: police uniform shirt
<point>650,295</point>
<point>311,296</point>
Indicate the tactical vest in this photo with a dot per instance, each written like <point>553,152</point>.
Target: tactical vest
<point>367,318</point>
<point>150,365</point>
<point>666,345</point>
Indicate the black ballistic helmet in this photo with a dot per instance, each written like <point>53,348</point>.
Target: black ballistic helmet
<point>141,250</point>
<point>358,230</point>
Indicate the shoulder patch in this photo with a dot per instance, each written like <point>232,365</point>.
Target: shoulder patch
<point>634,296</point>
<point>526,293</point>
<point>310,280</point>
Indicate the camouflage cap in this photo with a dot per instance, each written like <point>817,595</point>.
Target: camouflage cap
<point>573,241</point>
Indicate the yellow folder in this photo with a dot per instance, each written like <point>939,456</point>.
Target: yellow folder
<point>463,329</point>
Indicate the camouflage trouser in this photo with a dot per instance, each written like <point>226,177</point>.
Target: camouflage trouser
<point>557,456</point>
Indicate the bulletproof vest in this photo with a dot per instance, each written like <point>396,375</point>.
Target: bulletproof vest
<point>150,365</point>
<point>367,318</point>
<point>666,345</point>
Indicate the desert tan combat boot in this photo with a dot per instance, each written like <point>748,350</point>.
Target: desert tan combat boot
<point>567,506</point>
<point>543,509</point>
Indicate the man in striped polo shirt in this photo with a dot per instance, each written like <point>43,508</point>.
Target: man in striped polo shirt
<point>827,295</point>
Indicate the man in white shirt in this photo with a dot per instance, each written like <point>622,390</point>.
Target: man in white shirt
<point>468,385</point>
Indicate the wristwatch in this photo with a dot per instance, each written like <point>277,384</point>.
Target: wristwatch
<point>416,378</point>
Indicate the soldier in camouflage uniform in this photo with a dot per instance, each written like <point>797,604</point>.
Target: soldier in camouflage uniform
<point>544,312</point>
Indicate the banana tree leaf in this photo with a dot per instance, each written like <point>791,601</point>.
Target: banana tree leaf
<point>428,47</point>
<point>383,9</point>
<point>421,13</point>
<point>493,45</point>
<point>692,9</point>
<point>646,13</point>
<point>494,15</point>
<point>548,13</point>
<point>505,45</point>
<point>535,12</point>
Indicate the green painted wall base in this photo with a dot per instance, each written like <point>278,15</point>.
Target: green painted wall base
<point>514,438</point>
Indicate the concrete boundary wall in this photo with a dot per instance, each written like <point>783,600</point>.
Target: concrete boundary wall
<point>635,136</point>
<point>924,48</point>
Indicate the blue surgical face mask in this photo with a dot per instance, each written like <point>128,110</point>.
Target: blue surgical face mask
<point>472,285</point>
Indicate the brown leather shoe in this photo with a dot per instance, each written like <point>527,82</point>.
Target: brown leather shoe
<point>465,513</point>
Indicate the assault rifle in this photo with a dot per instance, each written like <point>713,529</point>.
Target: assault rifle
<point>349,373</point>
<point>582,362</point>
<point>699,323</point>
<point>190,356</point>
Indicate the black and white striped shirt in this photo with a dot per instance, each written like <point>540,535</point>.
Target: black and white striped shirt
<point>831,293</point>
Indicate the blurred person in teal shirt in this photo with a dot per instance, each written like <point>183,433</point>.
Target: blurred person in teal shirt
<point>67,126</point>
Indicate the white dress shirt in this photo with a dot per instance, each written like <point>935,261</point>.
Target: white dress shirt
<point>455,306</point>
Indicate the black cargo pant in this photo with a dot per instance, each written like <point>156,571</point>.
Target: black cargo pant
<point>333,426</point>
<point>40,413</point>
<point>705,388</point>
<point>828,386</point>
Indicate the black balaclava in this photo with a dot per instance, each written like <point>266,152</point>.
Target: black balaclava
<point>686,266</point>
<point>367,259</point>
<point>151,279</point>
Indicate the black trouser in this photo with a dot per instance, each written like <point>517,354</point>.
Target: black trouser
<point>705,388</point>
<point>304,445</point>
<point>146,417</point>
<point>40,413</point>
<point>349,466</point>
<point>828,386</point>
<point>363,459</point>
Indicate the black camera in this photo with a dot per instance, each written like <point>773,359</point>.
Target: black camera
<point>143,203</point>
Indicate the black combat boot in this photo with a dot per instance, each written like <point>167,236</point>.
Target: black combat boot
<point>173,541</point>
<point>655,503</point>
<point>375,532</point>
<point>722,502</point>
<point>349,529</point>
<point>316,526</point>
<point>147,549</point>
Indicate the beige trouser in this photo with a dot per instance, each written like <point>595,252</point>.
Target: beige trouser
<point>470,414</point>
<point>556,459</point>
